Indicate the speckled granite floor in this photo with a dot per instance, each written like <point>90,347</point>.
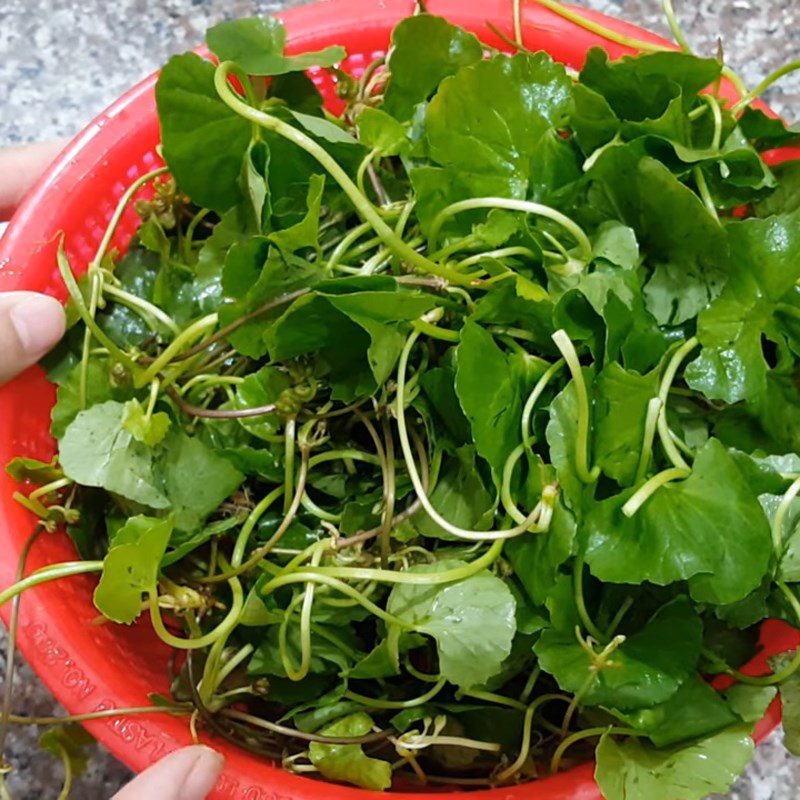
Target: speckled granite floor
<point>63,61</point>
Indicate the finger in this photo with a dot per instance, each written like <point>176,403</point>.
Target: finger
<point>30,324</point>
<point>20,168</point>
<point>187,774</point>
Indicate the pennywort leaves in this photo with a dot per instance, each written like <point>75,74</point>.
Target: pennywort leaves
<point>472,622</point>
<point>588,284</point>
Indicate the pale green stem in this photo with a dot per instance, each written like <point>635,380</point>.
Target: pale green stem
<point>209,381</point>
<point>530,684</point>
<point>502,252</point>
<point>315,576</point>
<point>186,337</point>
<point>383,257</point>
<point>348,270</point>
<point>546,503</point>
<point>361,203</point>
<point>420,676</point>
<point>496,699</point>
<point>190,231</point>
<point>681,445</point>
<point>320,513</point>
<point>305,625</point>
<point>120,210</point>
<point>68,774</point>
<point>527,729</point>
<point>780,516</point>
<point>50,573</point>
<point>108,713</point>
<point>589,733</point>
<point>340,602</point>
<point>232,663</point>
<point>705,194</point>
<point>713,104</point>
<point>619,616</point>
<point>389,473</point>
<point>448,250</point>
<point>363,167</point>
<point>663,395</point>
<point>580,602</point>
<point>562,252</point>
<point>293,565</point>
<point>644,492</point>
<point>155,386</point>
<point>88,319</point>
<point>209,682</point>
<point>518,24</point>
<point>512,333</point>
<point>675,27</point>
<point>258,554</point>
<point>762,87</point>
<point>290,440</point>
<point>564,344</point>
<point>139,304</point>
<point>668,442</point>
<point>352,236</point>
<point>650,424</point>
<point>364,247</point>
<point>255,515</point>
<point>398,704</point>
<point>416,742</point>
<point>525,206</point>
<point>347,453</point>
<point>283,648</point>
<point>435,332</point>
<point>698,112</point>
<point>220,632</point>
<point>461,292</point>
<point>339,574</point>
<point>405,215</point>
<point>533,398</point>
<point>411,467</point>
<point>595,27</point>
<point>505,486</point>
<point>673,366</point>
<point>95,292</point>
<point>43,491</point>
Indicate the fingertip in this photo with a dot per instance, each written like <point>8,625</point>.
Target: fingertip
<point>186,774</point>
<point>30,325</point>
<point>39,321</point>
<point>204,774</point>
<point>21,166</point>
<point>205,755</point>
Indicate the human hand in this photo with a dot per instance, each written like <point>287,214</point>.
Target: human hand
<point>20,168</point>
<point>187,774</point>
<point>30,324</point>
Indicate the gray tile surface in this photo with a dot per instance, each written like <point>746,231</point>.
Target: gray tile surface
<point>63,61</point>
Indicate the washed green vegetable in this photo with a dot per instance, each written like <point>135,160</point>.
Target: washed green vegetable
<point>455,438</point>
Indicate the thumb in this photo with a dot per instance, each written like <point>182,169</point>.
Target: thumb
<point>21,167</point>
<point>187,774</point>
<point>30,324</point>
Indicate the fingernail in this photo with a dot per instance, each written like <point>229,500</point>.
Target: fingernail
<point>39,323</point>
<point>203,775</point>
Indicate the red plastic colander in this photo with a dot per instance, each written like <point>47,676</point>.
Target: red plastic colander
<point>90,667</point>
